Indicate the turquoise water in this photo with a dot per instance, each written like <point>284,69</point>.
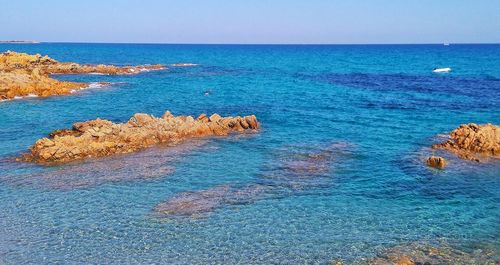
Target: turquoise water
<point>381,104</point>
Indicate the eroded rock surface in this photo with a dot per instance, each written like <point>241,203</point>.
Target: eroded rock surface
<point>98,138</point>
<point>473,141</point>
<point>23,74</point>
<point>437,162</point>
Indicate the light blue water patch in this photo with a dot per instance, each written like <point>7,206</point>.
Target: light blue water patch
<point>382,100</point>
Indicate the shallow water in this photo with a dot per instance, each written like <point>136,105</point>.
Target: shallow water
<point>382,101</point>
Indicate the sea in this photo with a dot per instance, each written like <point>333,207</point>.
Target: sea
<point>345,131</point>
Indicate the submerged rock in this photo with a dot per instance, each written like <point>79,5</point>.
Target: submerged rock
<point>421,253</point>
<point>98,138</point>
<point>205,201</point>
<point>150,164</point>
<point>24,75</point>
<point>304,168</point>
<point>473,141</point>
<point>296,171</point>
<point>437,162</point>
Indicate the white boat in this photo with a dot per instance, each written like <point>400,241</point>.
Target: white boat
<point>441,70</point>
<point>446,44</point>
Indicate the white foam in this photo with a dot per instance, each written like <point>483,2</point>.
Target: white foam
<point>20,97</point>
<point>184,64</point>
<point>96,85</point>
<point>97,74</point>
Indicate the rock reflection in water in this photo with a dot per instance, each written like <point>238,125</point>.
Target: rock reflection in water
<point>146,165</point>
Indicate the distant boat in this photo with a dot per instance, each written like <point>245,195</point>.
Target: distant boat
<point>441,70</point>
<point>446,44</point>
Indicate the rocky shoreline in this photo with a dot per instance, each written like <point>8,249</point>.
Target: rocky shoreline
<point>98,138</point>
<point>473,142</point>
<point>24,75</point>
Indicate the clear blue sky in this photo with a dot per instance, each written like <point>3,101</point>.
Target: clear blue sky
<point>252,21</point>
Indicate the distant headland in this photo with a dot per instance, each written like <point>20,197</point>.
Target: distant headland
<point>19,41</point>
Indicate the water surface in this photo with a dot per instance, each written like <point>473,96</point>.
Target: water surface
<point>382,102</point>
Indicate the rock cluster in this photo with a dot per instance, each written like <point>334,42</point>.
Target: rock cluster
<point>473,141</point>
<point>436,162</point>
<point>421,253</point>
<point>23,74</point>
<point>98,138</point>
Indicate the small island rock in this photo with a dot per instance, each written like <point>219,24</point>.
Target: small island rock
<point>437,162</point>
<point>473,141</point>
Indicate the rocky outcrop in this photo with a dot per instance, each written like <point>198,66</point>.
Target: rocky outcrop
<point>473,142</point>
<point>23,74</point>
<point>23,83</point>
<point>98,138</point>
<point>437,162</point>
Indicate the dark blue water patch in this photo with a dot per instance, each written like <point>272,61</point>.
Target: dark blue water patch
<point>427,91</point>
<point>467,86</point>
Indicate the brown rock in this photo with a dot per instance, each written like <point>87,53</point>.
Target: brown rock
<point>436,162</point>
<point>473,141</point>
<point>424,253</point>
<point>22,74</point>
<point>405,261</point>
<point>97,138</point>
<point>203,118</point>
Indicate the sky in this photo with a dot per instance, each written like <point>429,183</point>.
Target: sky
<point>252,21</point>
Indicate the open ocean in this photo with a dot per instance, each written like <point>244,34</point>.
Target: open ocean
<point>376,109</point>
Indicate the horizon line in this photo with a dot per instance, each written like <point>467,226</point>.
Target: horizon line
<point>276,44</point>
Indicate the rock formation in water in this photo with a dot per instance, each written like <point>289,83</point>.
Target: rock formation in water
<point>98,138</point>
<point>23,74</point>
<point>421,253</point>
<point>294,171</point>
<point>473,142</point>
<point>201,202</point>
<point>437,162</point>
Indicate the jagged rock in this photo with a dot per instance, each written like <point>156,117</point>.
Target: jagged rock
<point>436,162</point>
<point>97,138</point>
<point>23,74</point>
<point>473,141</point>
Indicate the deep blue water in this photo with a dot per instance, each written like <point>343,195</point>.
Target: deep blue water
<point>379,106</point>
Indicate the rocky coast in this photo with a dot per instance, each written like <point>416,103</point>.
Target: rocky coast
<point>98,138</point>
<point>473,142</point>
<point>24,75</point>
